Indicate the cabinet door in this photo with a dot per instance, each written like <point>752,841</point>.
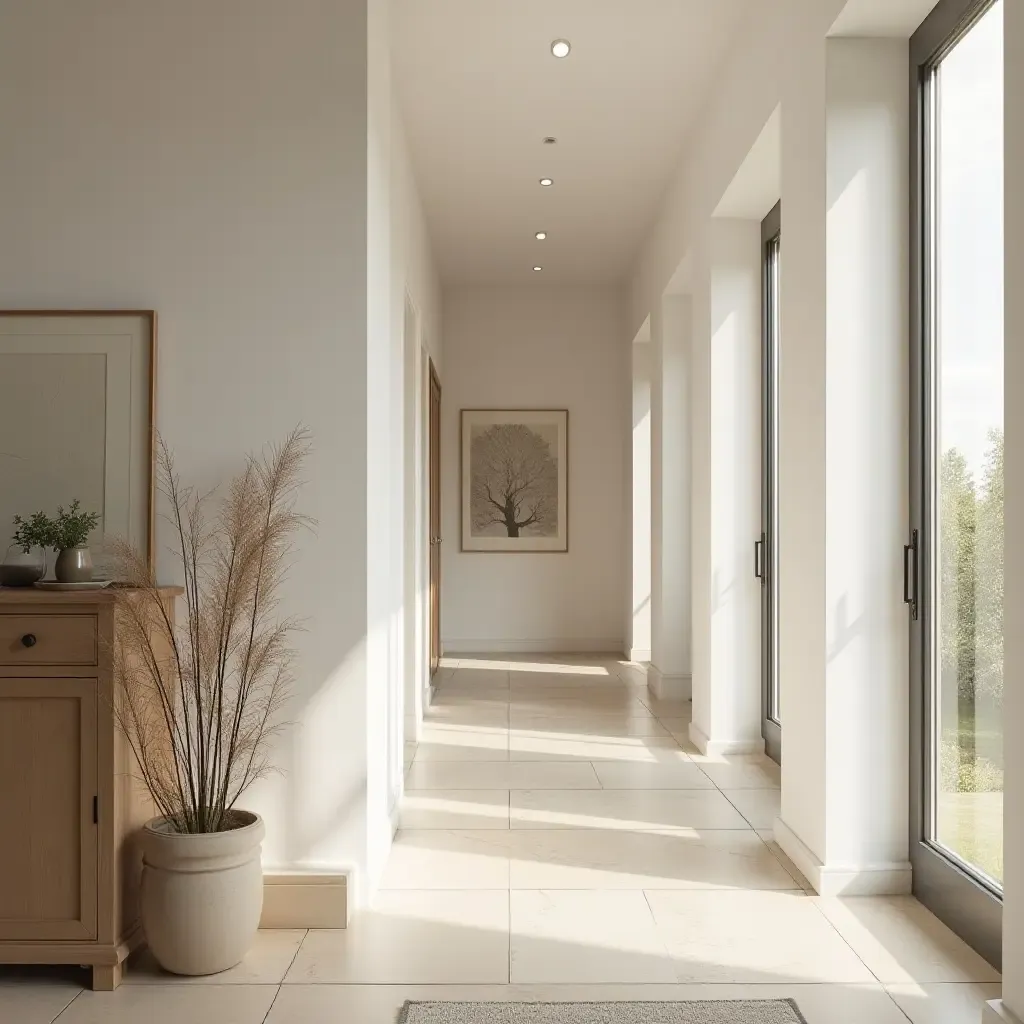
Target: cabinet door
<point>48,771</point>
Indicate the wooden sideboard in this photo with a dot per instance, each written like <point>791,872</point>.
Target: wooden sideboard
<point>70,803</point>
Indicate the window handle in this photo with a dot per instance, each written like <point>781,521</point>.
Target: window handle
<point>910,574</point>
<point>759,558</point>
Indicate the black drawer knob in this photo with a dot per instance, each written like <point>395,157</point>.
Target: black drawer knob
<point>28,640</point>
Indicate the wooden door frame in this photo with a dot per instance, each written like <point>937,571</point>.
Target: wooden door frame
<point>434,526</point>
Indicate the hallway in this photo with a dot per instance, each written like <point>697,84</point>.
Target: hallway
<point>560,839</point>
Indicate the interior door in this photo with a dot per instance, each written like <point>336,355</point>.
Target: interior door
<point>48,760</point>
<point>435,520</point>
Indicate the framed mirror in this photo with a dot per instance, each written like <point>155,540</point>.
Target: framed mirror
<point>77,391</point>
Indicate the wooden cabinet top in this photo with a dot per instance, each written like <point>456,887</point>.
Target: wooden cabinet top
<point>23,596</point>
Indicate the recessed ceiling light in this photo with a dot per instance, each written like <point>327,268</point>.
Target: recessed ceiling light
<point>550,140</point>
<point>546,182</point>
<point>560,48</point>
<point>541,235</point>
<point>537,270</point>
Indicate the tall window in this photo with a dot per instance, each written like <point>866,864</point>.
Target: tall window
<point>958,487</point>
<point>766,555</point>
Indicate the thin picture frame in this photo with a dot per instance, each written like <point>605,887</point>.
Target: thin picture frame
<point>148,319</point>
<point>531,543</point>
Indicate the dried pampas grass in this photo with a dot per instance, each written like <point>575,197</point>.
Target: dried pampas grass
<point>199,701</point>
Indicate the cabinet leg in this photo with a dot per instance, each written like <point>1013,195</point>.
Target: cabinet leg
<point>106,977</point>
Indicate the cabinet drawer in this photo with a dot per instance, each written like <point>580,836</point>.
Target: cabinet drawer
<point>48,640</point>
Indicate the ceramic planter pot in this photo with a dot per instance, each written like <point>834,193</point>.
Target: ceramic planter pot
<point>22,568</point>
<point>202,895</point>
<point>74,565</point>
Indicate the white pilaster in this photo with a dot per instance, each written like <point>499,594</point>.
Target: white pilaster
<point>638,624</point>
<point>843,468</point>
<point>670,671</point>
<point>726,431</point>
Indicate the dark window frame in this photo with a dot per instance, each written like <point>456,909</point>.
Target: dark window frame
<point>961,900</point>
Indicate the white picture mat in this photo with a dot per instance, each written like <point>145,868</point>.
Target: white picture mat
<point>558,418</point>
<point>38,442</point>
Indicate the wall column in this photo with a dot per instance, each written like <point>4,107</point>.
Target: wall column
<point>638,623</point>
<point>727,701</point>
<point>669,672</point>
<point>843,468</point>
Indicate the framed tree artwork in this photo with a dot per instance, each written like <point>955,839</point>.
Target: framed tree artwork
<point>515,480</point>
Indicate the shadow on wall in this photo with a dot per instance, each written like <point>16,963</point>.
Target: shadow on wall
<point>844,631</point>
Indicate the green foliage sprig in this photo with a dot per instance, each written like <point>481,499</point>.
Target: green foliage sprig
<point>34,532</point>
<point>70,528</point>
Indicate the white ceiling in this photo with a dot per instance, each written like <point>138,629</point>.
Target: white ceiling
<point>897,19</point>
<point>480,90</point>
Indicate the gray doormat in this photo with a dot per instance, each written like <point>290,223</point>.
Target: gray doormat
<point>744,1011</point>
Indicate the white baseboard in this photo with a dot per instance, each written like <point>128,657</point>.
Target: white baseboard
<point>995,1011</point>
<point>305,900</point>
<point>551,645</point>
<point>638,654</point>
<point>668,687</point>
<point>716,748</point>
<point>887,879</point>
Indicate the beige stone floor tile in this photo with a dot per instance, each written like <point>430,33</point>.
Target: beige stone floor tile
<point>903,942</point>
<point>768,838</point>
<point>458,809</point>
<point>416,938</point>
<point>494,674</point>
<point>679,729</point>
<point>486,662</point>
<point>633,749</point>
<point>440,741</point>
<point>609,860</point>
<point>426,775</point>
<point>495,701</point>
<point>265,964</point>
<point>35,995</point>
<point>447,859</point>
<point>367,1004</point>
<point>741,772</point>
<point>752,938</point>
<point>482,715</point>
<point>568,677</point>
<point>571,727</point>
<point>172,1004</point>
<point>585,936</point>
<point>455,775</point>
<point>943,1003</point>
<point>624,775</point>
<point>634,809</point>
<point>760,807</point>
<point>667,707</point>
<point>591,709</point>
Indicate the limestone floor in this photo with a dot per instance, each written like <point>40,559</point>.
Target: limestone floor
<point>560,839</point>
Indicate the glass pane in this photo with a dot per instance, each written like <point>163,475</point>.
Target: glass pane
<point>967,806</point>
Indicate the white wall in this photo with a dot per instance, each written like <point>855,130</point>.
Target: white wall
<point>212,162</point>
<point>540,348</point>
